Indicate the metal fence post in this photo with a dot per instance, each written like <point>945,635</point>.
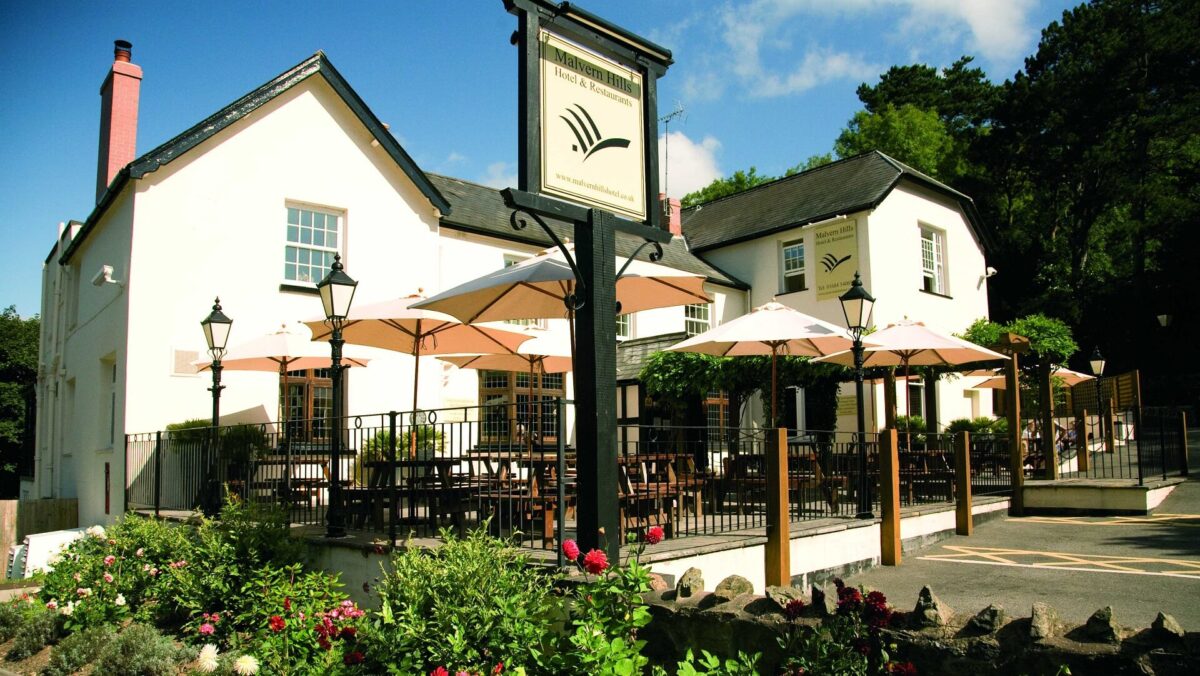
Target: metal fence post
<point>778,550</point>
<point>889,498</point>
<point>393,503</point>
<point>1162,441</point>
<point>157,474</point>
<point>963,519</point>
<point>1082,458</point>
<point>1183,444</point>
<point>561,468</point>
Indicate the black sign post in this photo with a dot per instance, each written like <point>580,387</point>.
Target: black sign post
<point>595,245</point>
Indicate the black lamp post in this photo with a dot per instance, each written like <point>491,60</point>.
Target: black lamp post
<point>216,333</point>
<point>857,305</point>
<point>337,293</point>
<point>1097,364</point>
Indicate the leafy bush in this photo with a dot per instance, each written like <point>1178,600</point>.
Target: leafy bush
<point>467,605</point>
<point>140,650</point>
<point>11,618</point>
<point>77,651</point>
<point>981,425</point>
<point>39,628</point>
<point>711,665</point>
<point>910,423</point>
<point>847,644</point>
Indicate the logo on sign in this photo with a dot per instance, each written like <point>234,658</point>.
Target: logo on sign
<point>589,140</point>
<point>830,262</point>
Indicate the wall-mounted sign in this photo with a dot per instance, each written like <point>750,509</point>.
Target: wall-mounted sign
<point>592,131</point>
<point>836,254</point>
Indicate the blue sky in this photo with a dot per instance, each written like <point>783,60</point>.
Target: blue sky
<point>764,83</point>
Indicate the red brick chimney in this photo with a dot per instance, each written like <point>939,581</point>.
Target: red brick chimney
<point>118,116</point>
<point>670,213</point>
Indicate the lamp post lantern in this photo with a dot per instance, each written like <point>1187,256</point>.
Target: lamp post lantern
<point>216,333</point>
<point>857,305</point>
<point>337,293</point>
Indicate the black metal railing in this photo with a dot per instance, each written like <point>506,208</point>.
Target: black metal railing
<point>926,467</point>
<point>991,464</point>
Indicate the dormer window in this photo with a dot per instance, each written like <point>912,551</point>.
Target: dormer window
<point>792,265</point>
<point>933,261</point>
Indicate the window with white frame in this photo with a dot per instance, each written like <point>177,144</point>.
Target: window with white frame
<point>313,238</point>
<point>509,261</point>
<point>624,326</point>
<point>933,260</point>
<point>696,318</point>
<point>792,264</point>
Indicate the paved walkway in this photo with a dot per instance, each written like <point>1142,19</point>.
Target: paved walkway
<point>1138,565</point>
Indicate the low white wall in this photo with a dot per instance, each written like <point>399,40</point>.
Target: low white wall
<point>1119,499</point>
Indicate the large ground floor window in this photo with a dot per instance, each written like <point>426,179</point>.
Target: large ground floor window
<point>511,414</point>
<point>308,396</point>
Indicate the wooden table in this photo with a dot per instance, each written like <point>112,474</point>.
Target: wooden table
<point>430,479</point>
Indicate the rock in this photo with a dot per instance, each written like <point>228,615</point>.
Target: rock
<point>657,583</point>
<point>988,620</point>
<point>782,596</point>
<point>930,612</point>
<point>1165,625</point>
<point>824,600</point>
<point>690,583</point>
<point>1043,621</point>
<point>733,587</point>
<point>1100,626</point>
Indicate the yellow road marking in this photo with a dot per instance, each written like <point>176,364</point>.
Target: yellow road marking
<point>1186,520</point>
<point>1096,563</point>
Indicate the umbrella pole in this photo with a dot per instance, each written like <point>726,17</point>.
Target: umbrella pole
<point>529,412</point>
<point>774,387</point>
<point>287,442</point>
<point>907,408</point>
<point>412,419</point>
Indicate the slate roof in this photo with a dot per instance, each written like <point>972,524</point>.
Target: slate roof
<point>632,354</point>
<point>481,210</point>
<point>857,183</point>
<point>210,126</point>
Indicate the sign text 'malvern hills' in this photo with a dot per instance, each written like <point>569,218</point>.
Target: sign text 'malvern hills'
<point>592,132</point>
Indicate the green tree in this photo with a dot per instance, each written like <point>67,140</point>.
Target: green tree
<point>723,187</point>
<point>18,375</point>
<point>914,136</point>
<point>962,96</point>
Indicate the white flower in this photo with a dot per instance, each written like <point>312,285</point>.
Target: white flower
<point>120,600</point>
<point>67,609</point>
<point>96,531</point>
<point>140,552</point>
<point>55,559</point>
<point>246,665</point>
<point>207,662</point>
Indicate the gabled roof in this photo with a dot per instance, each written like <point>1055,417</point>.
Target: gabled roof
<point>481,210</point>
<point>223,118</point>
<point>853,184</point>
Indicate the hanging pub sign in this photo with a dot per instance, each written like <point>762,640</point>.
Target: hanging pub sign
<point>836,253</point>
<point>593,131</point>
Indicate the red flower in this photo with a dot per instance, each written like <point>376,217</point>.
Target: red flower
<point>324,643</point>
<point>902,669</point>
<point>793,609</point>
<point>499,668</point>
<point>287,605</point>
<point>876,598</point>
<point>570,550</point>
<point>276,623</point>
<point>349,633</point>
<point>353,658</point>
<point>654,535</point>
<point>595,562</point>
<point>440,671</point>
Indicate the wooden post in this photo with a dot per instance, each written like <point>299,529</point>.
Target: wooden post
<point>889,498</point>
<point>964,522</point>
<point>1046,418</point>
<point>889,398</point>
<point>1016,454</point>
<point>1183,447</point>
<point>1081,442</point>
<point>778,552</point>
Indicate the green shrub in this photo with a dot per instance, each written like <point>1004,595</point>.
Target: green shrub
<point>10,620</point>
<point>910,423</point>
<point>466,605</point>
<point>140,650</point>
<point>39,629</point>
<point>77,651</point>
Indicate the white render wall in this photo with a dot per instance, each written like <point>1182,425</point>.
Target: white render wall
<point>889,248</point>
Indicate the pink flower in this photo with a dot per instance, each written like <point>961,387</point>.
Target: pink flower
<point>78,577</point>
<point>140,552</point>
<point>110,560</point>
<point>440,671</point>
<point>595,562</point>
<point>215,618</point>
<point>287,605</point>
<point>108,577</point>
<point>207,629</point>
<point>52,605</point>
<point>153,572</point>
<point>654,535</point>
<point>570,550</point>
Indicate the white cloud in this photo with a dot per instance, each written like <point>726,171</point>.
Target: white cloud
<point>499,175</point>
<point>455,157</point>
<point>818,67</point>
<point>995,30</point>
<point>692,165</point>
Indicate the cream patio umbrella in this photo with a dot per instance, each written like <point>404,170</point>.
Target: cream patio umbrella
<point>288,349</point>
<point>546,351</point>
<point>770,329</point>
<point>536,288</point>
<point>400,326</point>
<point>1069,378</point>
<point>909,343</point>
